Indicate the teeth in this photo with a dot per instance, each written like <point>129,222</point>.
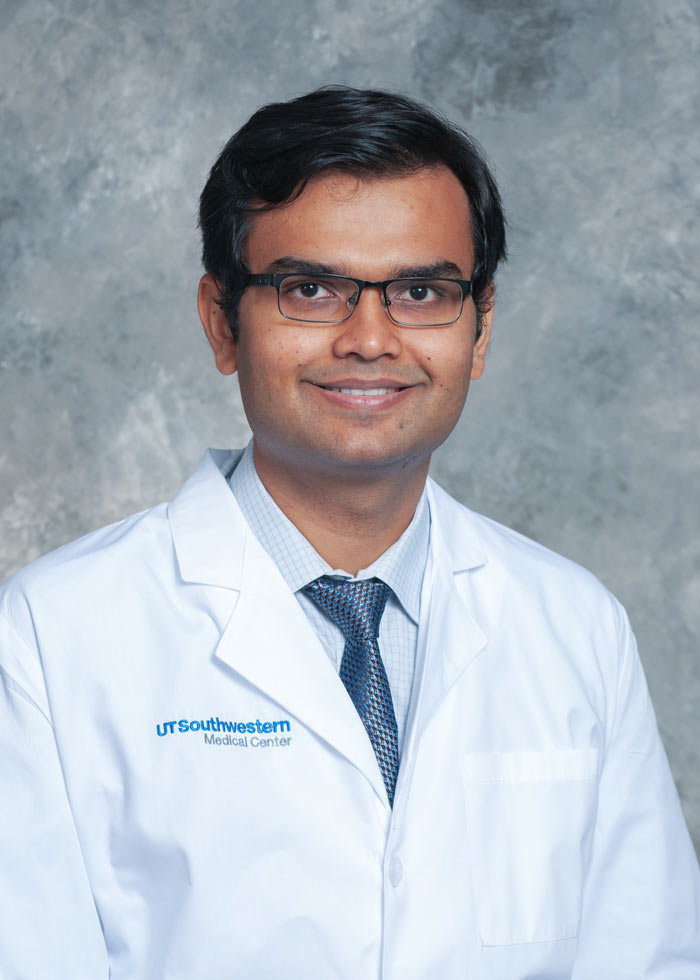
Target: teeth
<point>364,391</point>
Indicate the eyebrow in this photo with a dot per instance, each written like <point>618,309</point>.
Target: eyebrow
<point>290,263</point>
<point>435,270</point>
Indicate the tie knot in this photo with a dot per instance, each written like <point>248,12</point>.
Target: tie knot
<point>355,607</point>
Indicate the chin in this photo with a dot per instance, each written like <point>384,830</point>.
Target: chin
<point>365,457</point>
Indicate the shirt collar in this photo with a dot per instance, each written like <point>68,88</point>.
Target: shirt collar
<point>401,566</point>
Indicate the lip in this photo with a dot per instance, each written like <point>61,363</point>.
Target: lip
<point>364,383</point>
<point>365,393</point>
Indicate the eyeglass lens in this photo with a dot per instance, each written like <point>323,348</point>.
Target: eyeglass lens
<point>330,299</point>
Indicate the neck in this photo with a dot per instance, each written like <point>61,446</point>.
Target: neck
<point>350,522</point>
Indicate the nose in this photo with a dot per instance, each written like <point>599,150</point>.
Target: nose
<point>368,333</point>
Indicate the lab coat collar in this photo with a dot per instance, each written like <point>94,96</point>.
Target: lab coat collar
<point>454,539</point>
<point>207,526</point>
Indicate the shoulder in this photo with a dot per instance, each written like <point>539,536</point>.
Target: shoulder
<point>82,563</point>
<point>67,591</point>
<point>518,565</point>
<point>536,606</point>
<point>121,557</point>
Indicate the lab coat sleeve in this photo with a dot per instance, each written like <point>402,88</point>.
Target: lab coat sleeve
<point>49,927</point>
<point>641,903</point>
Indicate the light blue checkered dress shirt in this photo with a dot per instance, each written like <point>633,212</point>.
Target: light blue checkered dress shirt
<point>402,567</point>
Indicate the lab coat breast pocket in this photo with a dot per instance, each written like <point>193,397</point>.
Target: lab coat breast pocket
<point>530,822</point>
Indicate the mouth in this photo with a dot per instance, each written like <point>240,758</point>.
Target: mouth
<point>364,391</point>
<point>353,394</point>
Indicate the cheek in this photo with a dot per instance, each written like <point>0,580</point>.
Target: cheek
<point>271,360</point>
<point>449,366</point>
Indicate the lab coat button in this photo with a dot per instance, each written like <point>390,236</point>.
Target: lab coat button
<point>395,871</point>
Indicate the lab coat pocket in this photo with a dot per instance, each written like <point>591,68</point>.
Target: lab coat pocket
<point>530,822</point>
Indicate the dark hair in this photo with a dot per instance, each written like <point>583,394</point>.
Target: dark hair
<point>365,133</point>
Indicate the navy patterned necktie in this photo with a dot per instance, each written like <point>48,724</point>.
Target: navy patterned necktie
<point>357,608</point>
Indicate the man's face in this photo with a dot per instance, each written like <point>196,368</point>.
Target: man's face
<point>291,373</point>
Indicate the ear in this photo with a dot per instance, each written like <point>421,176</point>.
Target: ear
<point>482,343</point>
<point>216,327</point>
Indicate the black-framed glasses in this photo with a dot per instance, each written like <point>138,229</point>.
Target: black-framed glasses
<point>413,302</point>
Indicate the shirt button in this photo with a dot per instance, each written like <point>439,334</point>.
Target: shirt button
<point>395,871</point>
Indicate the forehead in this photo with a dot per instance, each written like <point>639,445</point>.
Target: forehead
<point>367,227</point>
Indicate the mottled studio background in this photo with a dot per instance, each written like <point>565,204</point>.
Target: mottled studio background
<point>583,431</point>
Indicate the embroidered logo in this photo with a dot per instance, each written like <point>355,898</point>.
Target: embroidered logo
<point>235,733</point>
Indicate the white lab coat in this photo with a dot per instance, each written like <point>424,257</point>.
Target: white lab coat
<point>536,831</point>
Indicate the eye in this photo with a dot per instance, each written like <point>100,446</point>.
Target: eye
<point>311,290</point>
<point>306,289</point>
<point>407,291</point>
<point>418,293</point>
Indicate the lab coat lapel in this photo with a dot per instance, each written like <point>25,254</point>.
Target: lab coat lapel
<point>266,637</point>
<point>450,636</point>
<point>271,643</point>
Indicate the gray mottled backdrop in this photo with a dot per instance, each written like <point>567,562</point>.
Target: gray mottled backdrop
<point>583,431</point>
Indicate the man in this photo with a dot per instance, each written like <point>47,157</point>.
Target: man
<point>313,718</point>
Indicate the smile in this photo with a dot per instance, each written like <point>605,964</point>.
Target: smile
<point>353,394</point>
<point>361,391</point>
